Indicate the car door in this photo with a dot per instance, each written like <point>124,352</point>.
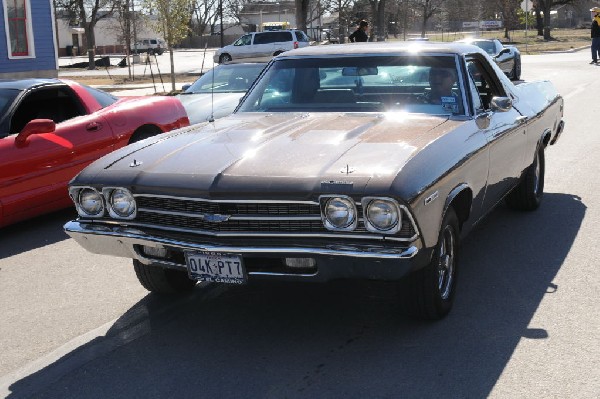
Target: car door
<point>35,173</point>
<point>504,60</point>
<point>242,47</point>
<point>262,45</point>
<point>504,131</point>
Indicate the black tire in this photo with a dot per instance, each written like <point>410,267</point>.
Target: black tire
<point>224,58</point>
<point>528,194</point>
<point>428,293</point>
<point>275,54</point>
<point>162,281</point>
<point>143,133</point>
<point>150,52</point>
<point>516,71</point>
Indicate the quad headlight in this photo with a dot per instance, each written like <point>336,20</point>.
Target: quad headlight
<point>382,215</point>
<point>339,213</point>
<point>121,203</point>
<point>89,202</point>
<point>117,201</point>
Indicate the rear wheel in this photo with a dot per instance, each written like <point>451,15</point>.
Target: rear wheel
<point>162,281</point>
<point>224,58</point>
<point>527,196</point>
<point>275,54</point>
<point>144,132</point>
<point>428,293</point>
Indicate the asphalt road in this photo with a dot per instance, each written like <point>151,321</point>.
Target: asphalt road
<point>526,321</point>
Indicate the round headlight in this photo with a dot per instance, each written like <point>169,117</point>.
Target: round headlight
<point>340,212</point>
<point>90,202</point>
<point>383,215</point>
<point>122,203</point>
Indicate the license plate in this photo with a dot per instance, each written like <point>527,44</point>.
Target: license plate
<point>215,267</point>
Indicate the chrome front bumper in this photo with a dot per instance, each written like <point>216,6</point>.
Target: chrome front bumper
<point>334,261</point>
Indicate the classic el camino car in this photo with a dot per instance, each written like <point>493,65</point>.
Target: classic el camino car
<point>363,161</point>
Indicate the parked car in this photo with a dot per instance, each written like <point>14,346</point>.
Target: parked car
<point>51,129</point>
<point>338,163</point>
<point>150,46</point>
<point>508,58</point>
<point>218,92</point>
<point>261,44</point>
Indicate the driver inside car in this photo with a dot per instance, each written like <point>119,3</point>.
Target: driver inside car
<point>441,82</point>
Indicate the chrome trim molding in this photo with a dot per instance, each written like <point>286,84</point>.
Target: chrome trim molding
<point>227,201</point>
<point>116,239</point>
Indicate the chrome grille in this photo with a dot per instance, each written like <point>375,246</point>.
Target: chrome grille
<point>277,218</point>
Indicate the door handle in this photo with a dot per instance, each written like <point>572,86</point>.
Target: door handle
<point>521,119</point>
<point>93,126</point>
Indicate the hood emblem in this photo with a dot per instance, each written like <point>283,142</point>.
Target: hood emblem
<point>216,218</point>
<point>135,163</point>
<point>347,170</point>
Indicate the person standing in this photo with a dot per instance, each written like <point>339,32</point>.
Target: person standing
<point>360,34</point>
<point>595,33</point>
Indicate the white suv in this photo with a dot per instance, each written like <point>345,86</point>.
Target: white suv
<point>150,46</point>
<point>262,44</point>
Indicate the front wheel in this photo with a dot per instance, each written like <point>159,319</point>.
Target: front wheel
<point>162,281</point>
<point>224,58</point>
<point>527,196</point>
<point>516,71</point>
<point>428,293</point>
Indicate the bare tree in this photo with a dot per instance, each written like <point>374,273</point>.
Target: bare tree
<point>174,17</point>
<point>89,13</point>
<point>427,9</point>
<point>545,6</point>
<point>378,12</point>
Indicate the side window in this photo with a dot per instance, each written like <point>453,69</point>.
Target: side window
<point>261,38</point>
<point>487,87</point>
<point>153,41</point>
<point>300,36</point>
<point>56,103</point>
<point>243,41</point>
<point>17,19</point>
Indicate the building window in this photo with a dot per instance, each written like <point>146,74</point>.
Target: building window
<point>18,28</point>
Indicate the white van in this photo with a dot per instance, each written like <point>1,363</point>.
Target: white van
<point>262,44</point>
<point>150,46</point>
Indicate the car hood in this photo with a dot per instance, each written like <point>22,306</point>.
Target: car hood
<point>200,107</point>
<point>286,153</point>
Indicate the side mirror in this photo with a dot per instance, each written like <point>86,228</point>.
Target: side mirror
<point>185,87</point>
<point>36,126</point>
<point>503,51</point>
<point>501,104</point>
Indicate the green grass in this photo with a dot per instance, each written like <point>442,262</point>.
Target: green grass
<point>527,42</point>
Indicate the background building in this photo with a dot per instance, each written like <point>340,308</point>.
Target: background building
<point>27,40</point>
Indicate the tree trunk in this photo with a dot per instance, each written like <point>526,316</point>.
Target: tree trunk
<point>538,21</point>
<point>381,21</point>
<point>90,41</point>
<point>172,68</point>
<point>547,5</point>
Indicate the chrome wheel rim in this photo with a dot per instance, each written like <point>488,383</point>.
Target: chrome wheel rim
<point>446,263</point>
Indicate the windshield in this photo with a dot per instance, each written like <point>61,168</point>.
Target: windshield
<point>103,98</point>
<point>232,78</point>
<point>419,84</point>
<point>488,47</point>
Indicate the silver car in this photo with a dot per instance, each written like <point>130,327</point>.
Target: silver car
<point>262,44</point>
<point>218,92</point>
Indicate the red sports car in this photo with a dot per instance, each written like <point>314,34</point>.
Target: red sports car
<point>51,129</point>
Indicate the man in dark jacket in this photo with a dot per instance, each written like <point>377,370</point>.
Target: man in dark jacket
<point>360,34</point>
<point>595,34</point>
